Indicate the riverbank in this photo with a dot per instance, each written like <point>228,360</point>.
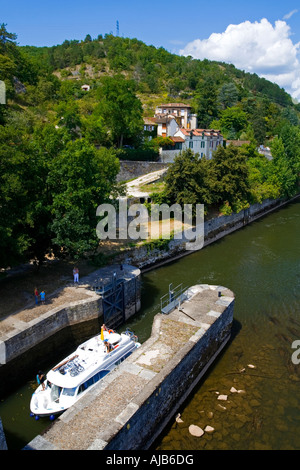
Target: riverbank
<point>147,256</point>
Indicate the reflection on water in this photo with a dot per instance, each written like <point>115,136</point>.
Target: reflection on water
<point>260,264</point>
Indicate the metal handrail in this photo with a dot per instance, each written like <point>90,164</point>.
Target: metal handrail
<point>170,301</point>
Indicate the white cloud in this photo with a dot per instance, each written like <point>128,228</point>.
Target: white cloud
<point>290,14</point>
<point>257,47</point>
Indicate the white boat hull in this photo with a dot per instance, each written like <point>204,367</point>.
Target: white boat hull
<point>71,379</point>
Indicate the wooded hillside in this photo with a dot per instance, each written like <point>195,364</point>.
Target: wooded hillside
<point>60,145</point>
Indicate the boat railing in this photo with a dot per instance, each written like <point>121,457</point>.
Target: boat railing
<point>131,335</point>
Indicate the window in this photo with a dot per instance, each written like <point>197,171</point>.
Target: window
<point>202,145</point>
<point>55,392</point>
<point>69,392</point>
<point>92,380</point>
<point>190,145</point>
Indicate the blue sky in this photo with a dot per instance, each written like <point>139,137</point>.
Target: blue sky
<point>257,36</point>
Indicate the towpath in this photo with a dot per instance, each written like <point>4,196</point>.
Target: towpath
<point>134,187</point>
<point>17,299</point>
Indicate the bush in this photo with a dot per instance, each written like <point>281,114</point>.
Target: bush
<point>226,209</point>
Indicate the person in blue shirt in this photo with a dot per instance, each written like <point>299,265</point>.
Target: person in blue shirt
<point>43,297</point>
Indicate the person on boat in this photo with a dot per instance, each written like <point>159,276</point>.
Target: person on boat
<point>41,379</point>
<point>108,346</point>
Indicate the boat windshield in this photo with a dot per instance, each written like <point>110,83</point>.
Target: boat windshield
<point>69,392</point>
<point>55,392</point>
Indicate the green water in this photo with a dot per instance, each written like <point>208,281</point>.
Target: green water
<point>261,265</point>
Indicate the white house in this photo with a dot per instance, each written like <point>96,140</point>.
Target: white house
<point>166,125</point>
<point>201,141</point>
<point>180,111</point>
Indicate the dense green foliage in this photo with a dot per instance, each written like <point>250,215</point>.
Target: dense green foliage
<point>235,177</point>
<point>60,145</point>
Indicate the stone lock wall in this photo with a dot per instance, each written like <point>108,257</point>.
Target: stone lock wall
<point>172,386</point>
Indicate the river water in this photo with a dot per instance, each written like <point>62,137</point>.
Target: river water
<point>261,265</point>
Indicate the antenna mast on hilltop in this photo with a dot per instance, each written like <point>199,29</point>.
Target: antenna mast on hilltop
<point>118,31</point>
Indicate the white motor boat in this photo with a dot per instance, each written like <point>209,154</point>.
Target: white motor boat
<point>71,379</point>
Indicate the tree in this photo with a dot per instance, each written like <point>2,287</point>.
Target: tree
<point>290,136</point>
<point>259,123</point>
<point>207,108</point>
<point>121,110</point>
<point>7,40</point>
<point>94,129</point>
<point>228,95</point>
<point>262,183</point>
<point>231,171</point>
<point>283,173</point>
<point>80,178</point>
<point>69,117</point>
<point>190,180</point>
<point>233,119</point>
<point>7,67</point>
<point>24,199</point>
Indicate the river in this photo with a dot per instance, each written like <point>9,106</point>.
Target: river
<point>261,265</point>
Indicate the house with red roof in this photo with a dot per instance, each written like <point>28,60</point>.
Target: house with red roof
<point>176,121</point>
<point>201,141</point>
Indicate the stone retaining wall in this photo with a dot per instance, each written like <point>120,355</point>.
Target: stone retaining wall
<point>29,334</point>
<point>146,258</point>
<point>130,169</point>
